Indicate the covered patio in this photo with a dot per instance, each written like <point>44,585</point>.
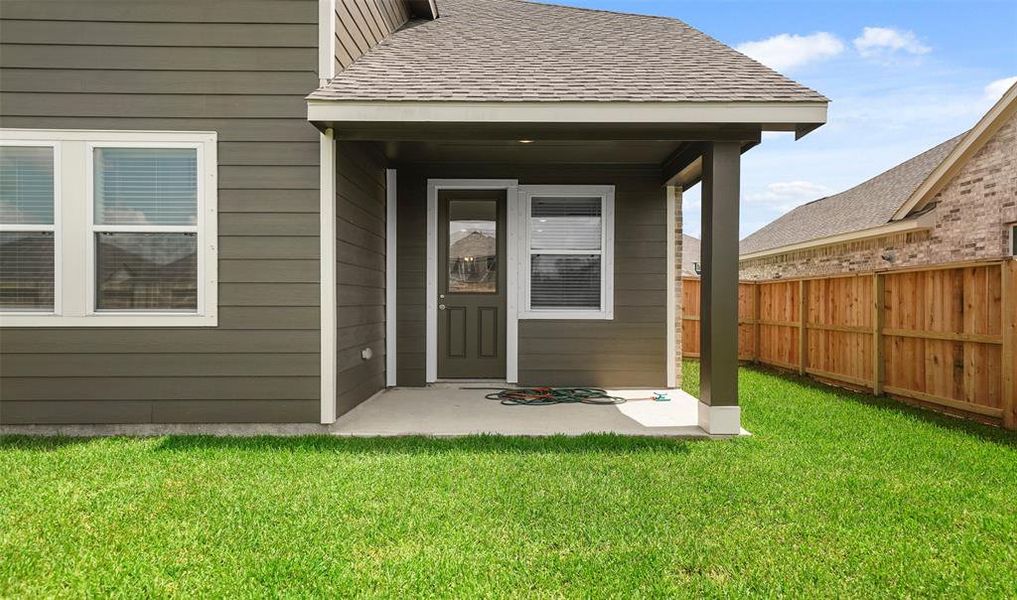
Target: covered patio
<point>529,203</point>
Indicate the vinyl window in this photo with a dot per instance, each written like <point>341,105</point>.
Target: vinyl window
<point>28,227</point>
<point>136,240</point>
<point>568,238</point>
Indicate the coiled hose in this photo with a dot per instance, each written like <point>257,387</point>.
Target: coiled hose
<point>545,396</point>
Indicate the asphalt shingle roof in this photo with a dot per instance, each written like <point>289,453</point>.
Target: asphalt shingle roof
<point>511,50</point>
<point>869,204</point>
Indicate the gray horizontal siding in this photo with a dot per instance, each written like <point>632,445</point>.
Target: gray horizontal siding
<point>360,272</point>
<point>629,350</point>
<point>242,69</point>
<point>362,24</point>
<point>157,11</point>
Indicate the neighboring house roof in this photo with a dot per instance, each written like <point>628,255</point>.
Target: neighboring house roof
<point>476,245</point>
<point>865,206</point>
<point>888,202</point>
<point>515,51</point>
<point>690,255</point>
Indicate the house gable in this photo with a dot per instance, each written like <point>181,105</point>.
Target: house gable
<point>1001,113</point>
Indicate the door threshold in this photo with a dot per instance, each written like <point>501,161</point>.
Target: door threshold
<point>470,382</point>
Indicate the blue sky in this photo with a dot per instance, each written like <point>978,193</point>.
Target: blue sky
<point>902,77</point>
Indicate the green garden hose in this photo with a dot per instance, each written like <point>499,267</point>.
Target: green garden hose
<point>545,396</point>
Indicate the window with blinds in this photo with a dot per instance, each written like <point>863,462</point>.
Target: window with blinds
<point>27,228</point>
<point>568,251</point>
<point>145,203</point>
<point>108,228</point>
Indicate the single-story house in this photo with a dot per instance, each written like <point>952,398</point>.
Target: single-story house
<point>954,202</point>
<point>691,261</point>
<point>269,211</point>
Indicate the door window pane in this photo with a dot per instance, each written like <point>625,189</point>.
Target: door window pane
<point>147,271</point>
<point>26,270</point>
<point>26,185</point>
<point>565,281</point>
<point>473,246</point>
<point>146,186</point>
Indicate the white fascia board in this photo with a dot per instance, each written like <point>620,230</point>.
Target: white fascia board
<point>773,115</point>
<point>922,223</point>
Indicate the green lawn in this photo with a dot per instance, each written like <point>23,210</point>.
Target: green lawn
<point>834,495</point>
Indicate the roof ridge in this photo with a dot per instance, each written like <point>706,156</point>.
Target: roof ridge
<point>599,10</point>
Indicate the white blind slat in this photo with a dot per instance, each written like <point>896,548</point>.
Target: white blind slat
<point>26,270</point>
<point>26,185</point>
<point>559,225</point>
<point>146,186</point>
<point>565,281</point>
<point>147,271</point>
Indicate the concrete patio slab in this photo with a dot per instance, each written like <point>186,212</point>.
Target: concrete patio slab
<point>454,410</point>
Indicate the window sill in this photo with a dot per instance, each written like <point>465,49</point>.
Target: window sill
<point>108,320</point>
<point>567,315</point>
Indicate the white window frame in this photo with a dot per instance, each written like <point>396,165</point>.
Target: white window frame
<point>606,195</point>
<point>32,228</point>
<point>75,286</point>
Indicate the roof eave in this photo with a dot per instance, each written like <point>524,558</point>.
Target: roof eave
<point>798,116</point>
<point>921,223</point>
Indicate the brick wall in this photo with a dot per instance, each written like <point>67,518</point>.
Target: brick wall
<point>971,220</point>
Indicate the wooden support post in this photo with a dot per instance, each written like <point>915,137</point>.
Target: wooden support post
<point>1008,271</point>
<point>802,336</point>
<point>878,310</point>
<point>718,311</point>
<point>756,329</point>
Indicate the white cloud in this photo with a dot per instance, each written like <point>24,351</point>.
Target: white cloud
<point>787,51</point>
<point>995,90</point>
<point>883,42</point>
<point>784,195</point>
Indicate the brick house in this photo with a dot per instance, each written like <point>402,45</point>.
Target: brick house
<point>954,202</point>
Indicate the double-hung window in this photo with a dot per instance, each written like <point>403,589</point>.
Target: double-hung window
<point>28,227</point>
<point>568,239</point>
<point>107,228</point>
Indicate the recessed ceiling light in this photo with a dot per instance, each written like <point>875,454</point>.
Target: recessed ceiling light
<point>525,141</point>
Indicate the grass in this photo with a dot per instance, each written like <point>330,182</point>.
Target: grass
<point>834,495</point>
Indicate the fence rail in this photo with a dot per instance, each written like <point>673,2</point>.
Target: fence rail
<point>943,336</point>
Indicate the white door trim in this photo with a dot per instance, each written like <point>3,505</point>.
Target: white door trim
<point>511,187</point>
<point>391,215</point>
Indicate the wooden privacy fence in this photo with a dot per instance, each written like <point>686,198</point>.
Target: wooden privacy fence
<point>943,336</point>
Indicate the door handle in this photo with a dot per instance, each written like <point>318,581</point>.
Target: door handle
<point>441,307</point>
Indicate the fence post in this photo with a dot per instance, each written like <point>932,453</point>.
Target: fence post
<point>1008,271</point>
<point>878,308</point>
<point>755,317</point>
<point>802,339</point>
